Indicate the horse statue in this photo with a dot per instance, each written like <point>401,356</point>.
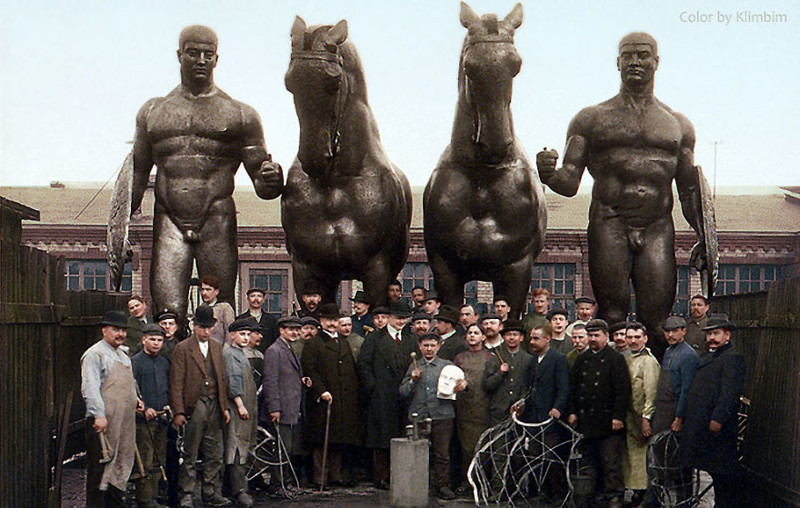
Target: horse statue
<point>346,209</point>
<point>485,216</point>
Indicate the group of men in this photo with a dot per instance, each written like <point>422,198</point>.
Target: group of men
<point>357,379</point>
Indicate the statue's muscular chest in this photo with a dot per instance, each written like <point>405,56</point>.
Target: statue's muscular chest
<point>649,127</point>
<point>207,118</point>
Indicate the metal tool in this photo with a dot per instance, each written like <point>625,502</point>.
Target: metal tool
<point>105,448</point>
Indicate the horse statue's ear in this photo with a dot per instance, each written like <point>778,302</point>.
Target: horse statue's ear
<point>298,33</point>
<point>468,16</point>
<point>514,17</point>
<point>338,34</point>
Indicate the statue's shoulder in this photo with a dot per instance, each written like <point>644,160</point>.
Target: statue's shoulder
<point>583,122</point>
<point>148,107</point>
<point>687,129</point>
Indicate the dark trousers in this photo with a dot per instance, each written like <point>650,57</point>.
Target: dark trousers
<point>333,464</point>
<point>727,492</point>
<point>441,434</point>
<point>237,474</point>
<point>203,431</point>
<point>604,461</point>
<point>151,439</point>
<point>96,498</point>
<point>381,461</point>
<point>172,466</point>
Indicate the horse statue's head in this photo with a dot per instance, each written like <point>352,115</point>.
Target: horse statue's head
<point>325,77</point>
<point>489,62</point>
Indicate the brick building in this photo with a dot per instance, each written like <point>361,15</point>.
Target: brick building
<point>759,233</point>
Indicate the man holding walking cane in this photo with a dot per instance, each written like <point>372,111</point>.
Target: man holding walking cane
<point>329,363</point>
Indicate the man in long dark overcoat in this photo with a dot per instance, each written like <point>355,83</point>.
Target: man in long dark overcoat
<point>710,427</point>
<point>329,363</point>
<point>383,362</point>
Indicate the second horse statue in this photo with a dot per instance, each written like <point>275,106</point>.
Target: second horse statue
<point>485,216</point>
<point>346,209</point>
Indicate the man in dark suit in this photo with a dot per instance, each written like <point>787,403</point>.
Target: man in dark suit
<point>198,398</point>
<point>600,391</point>
<point>452,342</point>
<point>267,324</point>
<point>548,376</point>
<point>709,431</point>
<point>383,362</point>
<point>329,363</point>
<point>282,394</point>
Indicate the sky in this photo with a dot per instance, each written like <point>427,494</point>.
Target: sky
<point>75,74</point>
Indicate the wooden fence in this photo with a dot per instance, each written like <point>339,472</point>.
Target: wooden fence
<point>43,332</point>
<point>768,335</point>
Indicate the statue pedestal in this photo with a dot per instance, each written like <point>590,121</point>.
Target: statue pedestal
<point>409,473</point>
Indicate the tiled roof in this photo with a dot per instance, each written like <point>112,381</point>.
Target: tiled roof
<point>760,209</point>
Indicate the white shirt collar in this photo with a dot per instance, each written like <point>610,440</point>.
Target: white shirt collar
<point>203,347</point>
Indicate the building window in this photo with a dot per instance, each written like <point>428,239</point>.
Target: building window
<point>275,281</point>
<point>681,305</point>
<point>745,278</point>
<point>559,279</point>
<point>416,274</point>
<point>82,275</point>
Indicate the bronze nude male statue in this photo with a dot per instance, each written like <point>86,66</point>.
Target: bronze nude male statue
<point>634,146</point>
<point>197,136</point>
<point>346,208</point>
<point>485,215</point>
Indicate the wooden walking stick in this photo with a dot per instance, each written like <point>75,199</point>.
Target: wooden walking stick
<point>325,448</point>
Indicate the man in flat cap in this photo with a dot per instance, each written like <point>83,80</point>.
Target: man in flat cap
<point>151,371</point>
<point>109,391</point>
<point>198,396</point>
<point>677,373</point>
<point>267,324</point>
<point>243,426</point>
<point>198,136</point>
<point>559,339</point>
<point>584,311</point>
<point>600,391</point>
<point>283,391</point>
<point>505,377</point>
<point>678,368</point>
<point>709,431</point>
<point>619,339</point>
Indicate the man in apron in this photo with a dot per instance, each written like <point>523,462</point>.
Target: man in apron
<point>109,391</point>
<point>677,372</point>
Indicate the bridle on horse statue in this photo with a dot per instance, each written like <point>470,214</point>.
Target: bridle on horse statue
<point>341,104</point>
<point>474,40</point>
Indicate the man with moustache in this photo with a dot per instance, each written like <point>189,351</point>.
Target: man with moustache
<point>541,304</point>
<point>268,327</point>
<point>199,401</point>
<point>709,432</point>
<point>109,392</point>
<point>580,341</point>
<point>383,362</point>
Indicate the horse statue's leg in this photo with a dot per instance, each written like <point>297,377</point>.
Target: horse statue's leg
<point>376,277</point>
<point>513,283</point>
<point>449,285</point>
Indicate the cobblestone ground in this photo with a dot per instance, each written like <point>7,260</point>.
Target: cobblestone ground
<point>363,495</point>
